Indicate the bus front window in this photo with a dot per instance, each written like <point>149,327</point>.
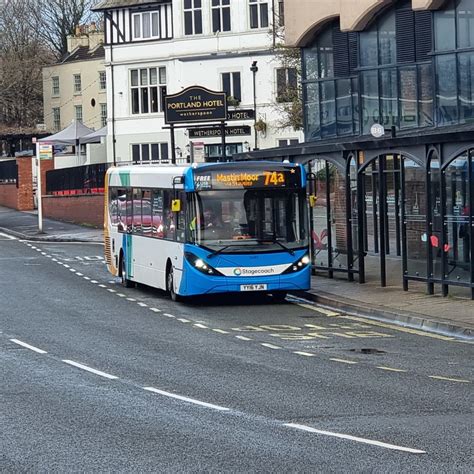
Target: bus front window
<point>249,218</point>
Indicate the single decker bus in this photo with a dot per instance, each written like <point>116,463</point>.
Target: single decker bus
<point>209,228</point>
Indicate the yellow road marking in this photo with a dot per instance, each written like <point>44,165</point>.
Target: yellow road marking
<point>344,361</point>
<point>391,369</point>
<point>439,377</point>
<point>324,311</point>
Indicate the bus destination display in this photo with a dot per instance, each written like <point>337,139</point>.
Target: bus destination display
<point>261,179</point>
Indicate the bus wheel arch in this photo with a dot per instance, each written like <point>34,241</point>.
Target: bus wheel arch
<point>170,281</point>
<point>122,272</point>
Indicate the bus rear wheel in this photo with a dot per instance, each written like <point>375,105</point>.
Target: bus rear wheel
<point>123,275</point>
<point>170,284</point>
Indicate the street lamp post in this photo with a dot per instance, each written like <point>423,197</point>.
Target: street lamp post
<point>254,70</point>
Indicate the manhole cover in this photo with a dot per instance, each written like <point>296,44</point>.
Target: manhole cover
<point>368,350</point>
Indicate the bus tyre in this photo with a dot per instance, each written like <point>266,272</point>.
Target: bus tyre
<point>170,284</point>
<point>279,296</point>
<point>125,281</point>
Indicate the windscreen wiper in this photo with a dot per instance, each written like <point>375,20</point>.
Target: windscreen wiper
<point>275,241</point>
<point>217,252</point>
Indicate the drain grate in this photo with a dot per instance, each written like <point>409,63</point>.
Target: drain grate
<point>367,350</point>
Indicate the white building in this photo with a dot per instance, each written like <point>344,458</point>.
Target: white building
<point>161,47</point>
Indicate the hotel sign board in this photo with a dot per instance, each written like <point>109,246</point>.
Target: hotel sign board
<point>210,132</point>
<point>195,104</point>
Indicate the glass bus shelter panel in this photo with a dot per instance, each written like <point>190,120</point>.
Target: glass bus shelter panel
<point>415,219</point>
<point>319,232</point>
<point>393,221</point>
<point>354,209</point>
<point>338,218</point>
<point>458,230</point>
<point>371,214</point>
<point>435,238</point>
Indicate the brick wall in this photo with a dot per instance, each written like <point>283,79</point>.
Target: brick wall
<point>8,195</point>
<point>19,196</point>
<point>79,209</point>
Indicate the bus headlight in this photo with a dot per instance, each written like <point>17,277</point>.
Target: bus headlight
<point>201,265</point>
<point>303,262</point>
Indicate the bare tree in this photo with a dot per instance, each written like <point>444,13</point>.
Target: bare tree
<point>22,57</point>
<point>55,20</point>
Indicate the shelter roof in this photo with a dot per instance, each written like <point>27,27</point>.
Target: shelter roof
<point>70,135</point>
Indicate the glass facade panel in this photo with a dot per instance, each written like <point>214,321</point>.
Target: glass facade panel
<point>328,109</point>
<point>408,97</point>
<point>312,112</point>
<point>310,59</point>
<point>466,87</point>
<point>446,84</point>
<point>465,24</point>
<point>325,55</point>
<point>425,95</point>
<point>445,29</point>
<point>389,97</point>
<point>369,100</point>
<point>368,47</point>
<point>344,107</point>
<point>387,40</point>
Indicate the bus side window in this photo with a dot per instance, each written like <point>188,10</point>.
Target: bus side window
<point>146,212</point>
<point>168,217</point>
<point>137,211</point>
<point>121,209</point>
<point>113,206</point>
<point>181,219</point>
<point>157,213</point>
<point>129,210</point>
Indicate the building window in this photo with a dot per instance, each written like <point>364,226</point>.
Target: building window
<point>286,84</point>
<point>258,10</point>
<point>103,115</point>
<point>146,25</point>
<point>77,83</point>
<point>78,113</point>
<point>232,87</point>
<point>56,118</point>
<point>55,90</point>
<point>287,142</point>
<point>192,17</point>
<point>150,153</point>
<point>214,152</point>
<point>148,86</point>
<point>220,15</point>
<point>102,80</point>
<point>281,13</point>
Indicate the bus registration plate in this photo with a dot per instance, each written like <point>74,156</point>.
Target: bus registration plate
<point>257,287</point>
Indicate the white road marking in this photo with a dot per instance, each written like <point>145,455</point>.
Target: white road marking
<point>155,310</point>
<point>121,295</point>
<point>243,338</point>
<point>184,320</point>
<point>270,346</point>
<point>43,253</point>
<point>90,369</point>
<point>307,354</point>
<point>168,315</point>
<point>59,263</point>
<point>201,326</point>
<point>102,286</point>
<point>111,290</point>
<point>448,379</point>
<point>9,237</point>
<point>354,438</point>
<point>131,299</point>
<point>343,361</point>
<point>73,270</point>
<point>94,281</point>
<point>186,399</point>
<point>55,259</point>
<point>66,265</point>
<point>27,346</point>
<point>86,278</point>
<point>143,305</point>
<point>221,331</point>
<point>79,274</point>
<point>391,369</point>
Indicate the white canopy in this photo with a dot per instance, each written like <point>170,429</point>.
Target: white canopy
<point>94,137</point>
<point>68,136</point>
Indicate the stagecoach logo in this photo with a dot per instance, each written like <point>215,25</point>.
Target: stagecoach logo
<point>237,271</point>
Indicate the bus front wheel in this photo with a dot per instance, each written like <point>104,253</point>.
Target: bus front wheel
<point>123,275</point>
<point>170,284</point>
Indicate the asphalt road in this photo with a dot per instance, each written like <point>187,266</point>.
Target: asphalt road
<point>96,377</point>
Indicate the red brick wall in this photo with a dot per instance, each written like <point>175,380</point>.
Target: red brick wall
<point>79,209</point>
<point>8,195</point>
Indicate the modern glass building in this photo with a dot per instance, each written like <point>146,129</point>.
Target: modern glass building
<point>400,202</point>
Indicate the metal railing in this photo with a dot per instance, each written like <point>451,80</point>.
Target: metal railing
<point>8,172</point>
<point>88,179</point>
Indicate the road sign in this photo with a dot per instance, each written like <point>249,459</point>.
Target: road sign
<point>210,132</point>
<point>243,114</point>
<point>45,151</point>
<point>195,104</point>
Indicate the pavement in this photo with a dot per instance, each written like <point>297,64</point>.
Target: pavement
<point>413,309</point>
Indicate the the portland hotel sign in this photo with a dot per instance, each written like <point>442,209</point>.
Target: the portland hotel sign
<point>195,104</point>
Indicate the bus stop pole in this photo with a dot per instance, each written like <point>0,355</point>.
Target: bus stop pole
<point>38,190</point>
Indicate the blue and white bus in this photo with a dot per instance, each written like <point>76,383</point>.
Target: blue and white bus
<point>209,228</point>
